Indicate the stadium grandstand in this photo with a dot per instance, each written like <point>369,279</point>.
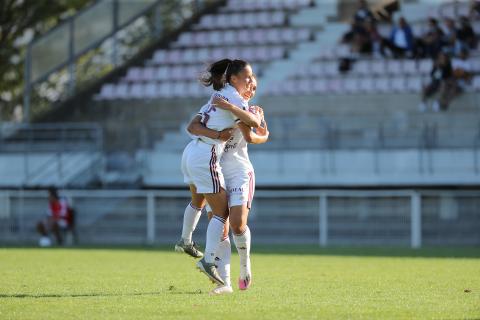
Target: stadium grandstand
<point>359,152</point>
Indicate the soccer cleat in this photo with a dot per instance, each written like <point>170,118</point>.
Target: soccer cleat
<point>244,284</point>
<point>221,290</point>
<point>189,248</point>
<point>210,270</point>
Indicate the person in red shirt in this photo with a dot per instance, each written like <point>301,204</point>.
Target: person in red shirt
<point>59,217</point>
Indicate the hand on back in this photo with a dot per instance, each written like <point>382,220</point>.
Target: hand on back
<point>221,103</point>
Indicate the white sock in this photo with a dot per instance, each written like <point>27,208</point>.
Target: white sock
<point>222,260</point>
<point>242,242</point>
<point>190,220</point>
<point>214,235</point>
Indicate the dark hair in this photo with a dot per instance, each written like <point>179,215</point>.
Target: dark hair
<point>219,73</point>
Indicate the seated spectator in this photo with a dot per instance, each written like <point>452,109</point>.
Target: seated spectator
<point>433,26</point>
<point>401,40</point>
<point>358,38</point>
<point>375,40</point>
<point>462,71</point>
<point>363,12</point>
<point>431,42</point>
<point>59,218</point>
<point>450,29</point>
<point>475,9</point>
<point>442,81</point>
<point>454,46</point>
<point>466,34</point>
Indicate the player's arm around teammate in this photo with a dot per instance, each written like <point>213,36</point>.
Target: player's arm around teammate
<point>259,137</point>
<point>195,127</point>
<point>244,116</point>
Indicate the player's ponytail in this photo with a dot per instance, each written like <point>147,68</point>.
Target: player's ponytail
<point>219,73</point>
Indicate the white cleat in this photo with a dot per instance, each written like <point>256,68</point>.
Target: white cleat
<point>221,290</point>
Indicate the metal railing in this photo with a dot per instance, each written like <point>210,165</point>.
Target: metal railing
<point>48,137</point>
<point>326,217</point>
<point>52,149</point>
<point>94,42</point>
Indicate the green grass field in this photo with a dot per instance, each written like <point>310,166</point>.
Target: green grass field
<point>289,283</point>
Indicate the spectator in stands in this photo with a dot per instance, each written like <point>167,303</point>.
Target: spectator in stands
<point>59,218</point>
<point>450,29</point>
<point>401,41</point>
<point>358,36</point>
<point>466,34</point>
<point>433,26</point>
<point>475,9</point>
<point>453,45</point>
<point>462,71</point>
<point>431,42</point>
<point>376,42</point>
<point>363,12</point>
<point>442,81</point>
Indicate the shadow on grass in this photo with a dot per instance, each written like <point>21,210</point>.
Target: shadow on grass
<point>427,252</point>
<point>170,290</point>
<point>360,251</point>
<point>79,295</point>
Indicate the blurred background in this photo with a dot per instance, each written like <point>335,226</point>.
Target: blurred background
<point>373,110</point>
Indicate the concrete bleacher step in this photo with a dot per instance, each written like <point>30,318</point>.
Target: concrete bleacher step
<point>281,69</point>
<point>45,169</point>
<point>417,10</point>
<point>366,104</point>
<point>173,140</point>
<point>315,18</point>
<point>71,166</point>
<point>317,15</point>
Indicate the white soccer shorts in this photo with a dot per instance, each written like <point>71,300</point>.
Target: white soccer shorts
<point>240,188</point>
<point>201,166</point>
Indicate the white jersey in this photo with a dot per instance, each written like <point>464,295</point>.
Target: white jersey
<point>235,155</point>
<point>219,119</point>
<point>201,158</point>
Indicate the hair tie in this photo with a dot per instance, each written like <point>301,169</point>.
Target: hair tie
<point>226,69</point>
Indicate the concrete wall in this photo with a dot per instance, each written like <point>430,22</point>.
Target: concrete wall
<point>352,168</point>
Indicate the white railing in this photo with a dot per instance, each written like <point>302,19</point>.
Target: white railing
<point>150,211</point>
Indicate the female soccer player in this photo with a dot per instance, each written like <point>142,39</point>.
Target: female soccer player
<point>240,182</point>
<point>201,157</point>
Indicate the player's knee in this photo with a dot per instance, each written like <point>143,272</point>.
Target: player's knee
<point>198,202</point>
<point>238,226</point>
